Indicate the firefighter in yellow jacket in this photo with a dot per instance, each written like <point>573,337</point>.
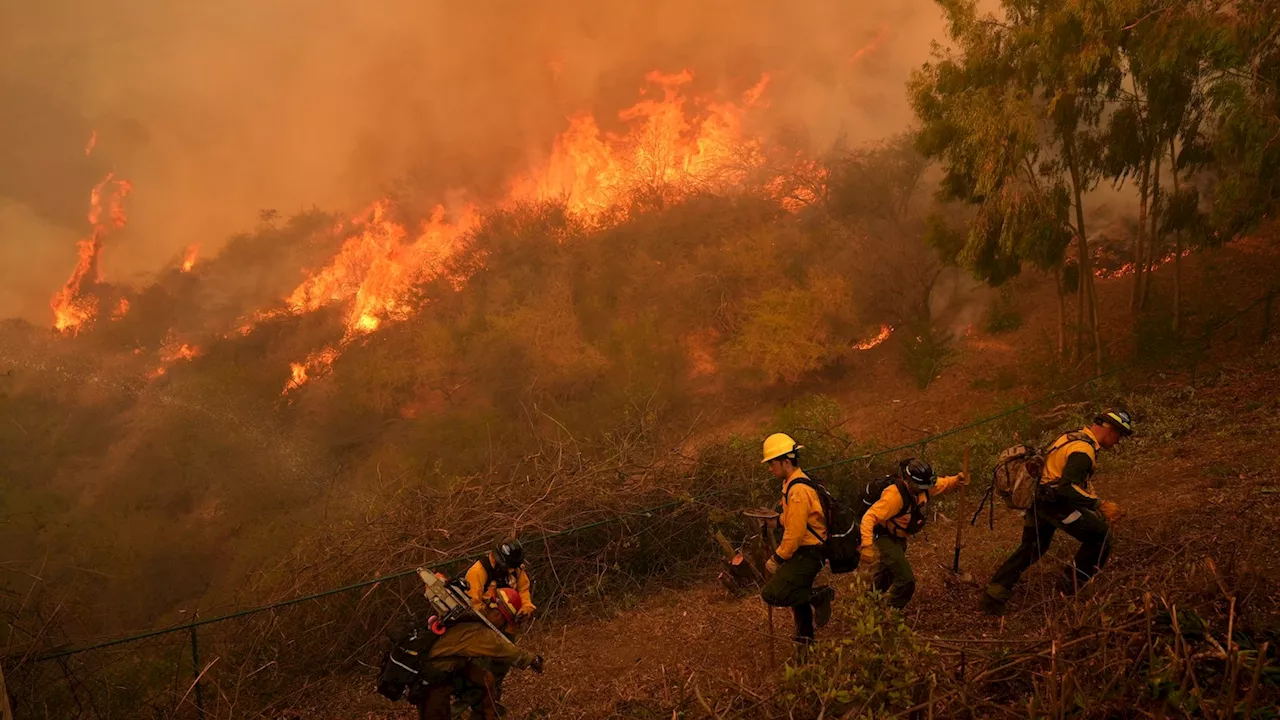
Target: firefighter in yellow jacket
<point>502,567</point>
<point>1065,500</point>
<point>798,559</point>
<point>896,516</point>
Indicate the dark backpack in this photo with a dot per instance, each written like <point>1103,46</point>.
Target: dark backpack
<point>403,667</point>
<point>843,543</point>
<point>910,504</point>
<point>491,575</point>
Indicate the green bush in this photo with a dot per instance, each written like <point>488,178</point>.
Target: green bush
<point>924,352</point>
<point>878,668</point>
<point>1003,316</point>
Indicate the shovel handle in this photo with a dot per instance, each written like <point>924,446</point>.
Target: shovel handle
<point>955,563</point>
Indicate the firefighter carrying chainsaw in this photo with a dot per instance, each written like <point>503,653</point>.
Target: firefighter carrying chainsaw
<point>453,651</point>
<point>1055,491</point>
<point>502,567</point>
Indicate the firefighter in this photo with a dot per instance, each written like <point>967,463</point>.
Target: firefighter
<point>799,557</point>
<point>502,567</point>
<point>459,658</point>
<point>896,515</point>
<point>1065,500</point>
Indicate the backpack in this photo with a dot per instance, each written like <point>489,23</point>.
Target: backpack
<point>843,543</point>
<point>499,580</point>
<point>910,503</point>
<point>1015,479</point>
<point>403,669</point>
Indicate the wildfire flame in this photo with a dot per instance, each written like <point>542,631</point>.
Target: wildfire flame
<point>1130,268</point>
<point>171,353</point>
<point>72,307</point>
<point>664,149</point>
<point>189,257</point>
<point>669,144</point>
<point>317,363</point>
<point>93,142</point>
<point>122,309</point>
<point>871,46</point>
<point>885,332</point>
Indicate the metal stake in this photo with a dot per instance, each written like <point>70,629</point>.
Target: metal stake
<point>195,671</point>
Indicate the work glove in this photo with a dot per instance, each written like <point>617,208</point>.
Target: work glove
<point>525,612</point>
<point>868,557</point>
<point>1111,511</point>
<point>537,664</point>
<point>963,479</point>
<point>771,565</point>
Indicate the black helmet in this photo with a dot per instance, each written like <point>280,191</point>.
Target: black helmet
<point>509,554</point>
<point>918,471</point>
<point>1118,419</point>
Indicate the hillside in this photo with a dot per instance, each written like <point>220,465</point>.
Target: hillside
<point>1195,481</point>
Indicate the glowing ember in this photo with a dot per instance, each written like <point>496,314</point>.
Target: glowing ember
<point>189,257</point>
<point>885,331</point>
<point>317,363</point>
<point>122,309</point>
<point>93,141</point>
<point>72,306</point>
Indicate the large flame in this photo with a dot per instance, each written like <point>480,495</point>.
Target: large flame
<point>667,145</point>
<point>72,305</point>
<point>665,149</point>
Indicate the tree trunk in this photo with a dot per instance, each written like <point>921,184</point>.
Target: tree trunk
<point>1062,311</point>
<point>1144,191</point>
<point>1082,245</point>
<point>1153,236</point>
<point>1177,244</point>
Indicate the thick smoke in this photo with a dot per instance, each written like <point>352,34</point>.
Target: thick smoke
<point>218,110</point>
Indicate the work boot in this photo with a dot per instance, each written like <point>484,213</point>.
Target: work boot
<point>801,654</point>
<point>994,598</point>
<point>822,598</point>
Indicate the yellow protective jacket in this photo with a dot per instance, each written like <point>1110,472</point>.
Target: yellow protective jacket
<point>1069,466</point>
<point>887,512</point>
<point>470,640</point>
<point>483,588</point>
<point>801,511</point>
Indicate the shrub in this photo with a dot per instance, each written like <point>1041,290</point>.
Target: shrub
<point>1003,316</point>
<point>924,352</point>
<point>878,668</point>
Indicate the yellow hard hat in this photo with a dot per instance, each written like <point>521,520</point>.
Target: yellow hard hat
<point>777,445</point>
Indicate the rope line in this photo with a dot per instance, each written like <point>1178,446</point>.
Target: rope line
<point>1204,339</point>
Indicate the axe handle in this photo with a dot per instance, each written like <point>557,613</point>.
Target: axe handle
<point>955,563</point>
